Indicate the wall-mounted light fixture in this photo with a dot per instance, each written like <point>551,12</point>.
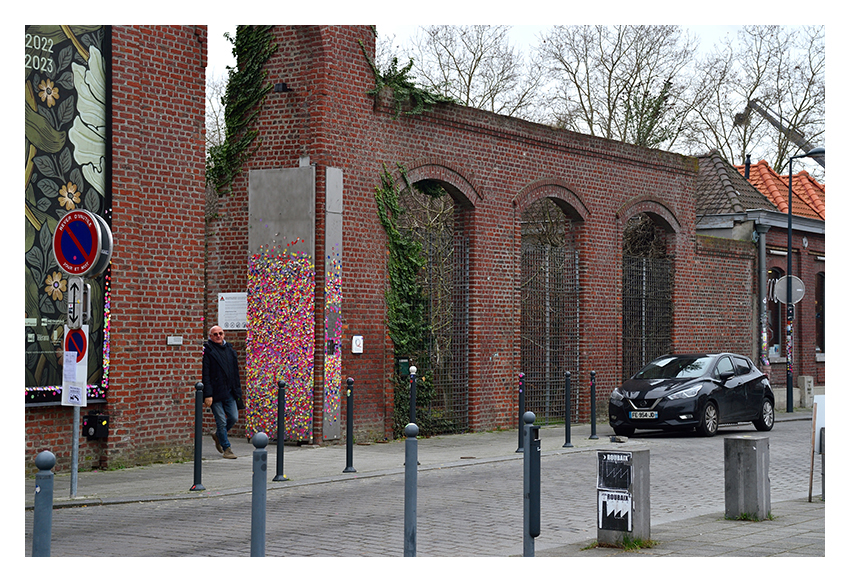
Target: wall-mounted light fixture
<point>281,88</point>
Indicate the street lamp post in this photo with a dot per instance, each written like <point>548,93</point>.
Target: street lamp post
<point>789,328</point>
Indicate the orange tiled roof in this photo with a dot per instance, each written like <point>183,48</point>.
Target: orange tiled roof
<point>809,195</point>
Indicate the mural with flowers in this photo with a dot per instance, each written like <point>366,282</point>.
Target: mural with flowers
<point>65,163</point>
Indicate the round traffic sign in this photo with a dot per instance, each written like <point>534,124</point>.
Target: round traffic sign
<point>77,242</point>
<point>76,341</point>
<point>798,289</point>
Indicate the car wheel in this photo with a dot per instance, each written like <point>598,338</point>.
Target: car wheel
<point>625,431</point>
<point>709,420</point>
<point>765,420</point>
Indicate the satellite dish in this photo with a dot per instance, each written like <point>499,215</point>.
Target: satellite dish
<point>798,289</point>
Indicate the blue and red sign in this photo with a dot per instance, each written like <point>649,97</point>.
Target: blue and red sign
<point>76,341</point>
<point>77,242</point>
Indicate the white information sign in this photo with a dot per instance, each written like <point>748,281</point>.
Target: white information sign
<point>73,391</point>
<point>233,311</point>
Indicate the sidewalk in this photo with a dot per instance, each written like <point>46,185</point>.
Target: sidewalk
<point>797,530</point>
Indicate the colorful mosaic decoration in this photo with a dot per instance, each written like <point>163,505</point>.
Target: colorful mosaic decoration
<point>280,342</point>
<point>333,337</point>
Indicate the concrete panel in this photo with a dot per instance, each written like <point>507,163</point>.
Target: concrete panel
<point>282,210</point>
<point>333,304</point>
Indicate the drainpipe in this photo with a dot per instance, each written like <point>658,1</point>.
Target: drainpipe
<point>762,229</point>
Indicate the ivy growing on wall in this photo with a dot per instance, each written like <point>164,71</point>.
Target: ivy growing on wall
<point>407,305</point>
<point>406,94</point>
<point>246,91</point>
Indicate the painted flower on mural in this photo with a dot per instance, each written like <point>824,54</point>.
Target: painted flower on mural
<point>48,92</point>
<point>69,197</point>
<point>55,286</point>
<point>88,133</point>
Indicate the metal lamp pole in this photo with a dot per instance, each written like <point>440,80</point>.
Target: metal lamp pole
<point>789,328</point>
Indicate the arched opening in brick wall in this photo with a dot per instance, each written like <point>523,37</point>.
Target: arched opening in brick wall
<point>549,320</point>
<point>647,296</point>
<point>435,215</point>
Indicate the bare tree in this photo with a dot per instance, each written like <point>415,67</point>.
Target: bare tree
<point>216,128</point>
<point>478,67</point>
<point>784,70</point>
<point>628,83</point>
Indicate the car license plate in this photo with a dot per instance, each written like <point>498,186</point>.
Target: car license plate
<point>643,414</point>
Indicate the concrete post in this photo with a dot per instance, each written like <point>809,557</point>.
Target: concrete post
<point>747,484</point>
<point>622,496</point>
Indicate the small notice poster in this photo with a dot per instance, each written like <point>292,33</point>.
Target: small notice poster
<point>233,311</point>
<point>73,391</point>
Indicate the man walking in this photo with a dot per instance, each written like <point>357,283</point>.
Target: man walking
<point>222,389</point>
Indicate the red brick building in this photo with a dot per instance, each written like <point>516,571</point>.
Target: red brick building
<point>327,132</point>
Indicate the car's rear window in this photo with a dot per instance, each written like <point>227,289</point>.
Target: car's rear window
<point>675,367</point>
<point>742,366</point>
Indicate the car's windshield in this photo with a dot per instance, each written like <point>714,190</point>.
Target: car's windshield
<point>675,367</point>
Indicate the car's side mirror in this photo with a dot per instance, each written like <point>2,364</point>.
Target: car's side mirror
<point>726,375</point>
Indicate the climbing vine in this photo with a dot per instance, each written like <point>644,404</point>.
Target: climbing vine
<point>407,305</point>
<point>246,91</point>
<point>405,91</point>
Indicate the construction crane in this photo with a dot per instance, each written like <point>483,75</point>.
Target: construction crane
<point>789,132</point>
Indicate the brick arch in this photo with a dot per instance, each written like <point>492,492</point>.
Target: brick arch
<point>652,206</point>
<point>458,183</point>
<point>558,191</point>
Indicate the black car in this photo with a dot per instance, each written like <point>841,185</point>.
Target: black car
<point>699,391</point>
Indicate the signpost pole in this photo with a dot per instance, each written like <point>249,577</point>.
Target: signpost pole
<point>75,450</point>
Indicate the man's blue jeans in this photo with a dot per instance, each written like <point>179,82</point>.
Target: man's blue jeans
<point>226,415</point>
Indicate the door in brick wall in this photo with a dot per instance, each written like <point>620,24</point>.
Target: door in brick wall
<point>549,311</point>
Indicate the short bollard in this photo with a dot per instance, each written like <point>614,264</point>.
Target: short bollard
<point>281,430</point>
<point>593,406</point>
<point>411,461</point>
<point>530,485</point>
<point>258,495</point>
<point>746,464</point>
<point>42,517</point>
<point>349,428</point>
<point>520,426</point>
<point>567,395</point>
<point>622,496</point>
<point>199,435</point>
<point>413,371</point>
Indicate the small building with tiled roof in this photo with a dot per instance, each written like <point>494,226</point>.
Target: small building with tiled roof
<point>809,196</point>
<point>750,204</point>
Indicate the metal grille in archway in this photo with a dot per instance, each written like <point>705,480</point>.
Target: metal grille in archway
<point>647,295</point>
<point>445,278</point>
<point>549,312</point>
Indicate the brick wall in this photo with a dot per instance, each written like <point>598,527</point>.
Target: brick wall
<point>157,272</point>
<point>493,166</point>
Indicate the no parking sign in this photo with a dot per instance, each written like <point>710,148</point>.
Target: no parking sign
<point>75,366</point>
<point>82,243</point>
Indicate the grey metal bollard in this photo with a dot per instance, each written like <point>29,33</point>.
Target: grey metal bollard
<point>520,427</point>
<point>258,495</point>
<point>411,462</point>
<point>199,435</point>
<point>281,430</point>
<point>349,428</point>
<point>567,395</point>
<point>593,405</point>
<point>413,377</point>
<point>42,518</point>
<point>530,485</point>
<point>747,484</point>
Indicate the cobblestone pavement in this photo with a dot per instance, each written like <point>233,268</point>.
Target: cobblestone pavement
<point>470,509</point>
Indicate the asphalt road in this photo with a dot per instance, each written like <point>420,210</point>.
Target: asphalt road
<point>471,510</point>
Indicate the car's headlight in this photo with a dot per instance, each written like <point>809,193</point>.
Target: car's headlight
<point>616,395</point>
<point>686,393</point>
